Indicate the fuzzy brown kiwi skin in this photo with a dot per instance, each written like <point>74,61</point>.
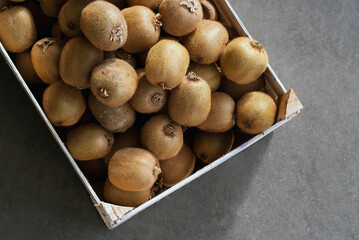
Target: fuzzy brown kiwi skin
<point>164,70</point>
<point>180,17</point>
<point>45,56</point>
<point>123,55</point>
<point>114,82</point>
<point>125,198</point>
<point>142,56</point>
<point>133,169</point>
<point>144,28</point>
<point>64,105</point>
<point>236,91</point>
<point>148,97</point>
<point>190,103</point>
<point>130,138</point>
<point>179,167</point>
<point>24,65</point>
<point>109,31</point>
<point>69,17</point>
<point>51,8</point>
<point>77,60</point>
<point>207,42</point>
<point>209,10</point>
<point>114,120</point>
<point>244,60</point>
<point>256,112</point>
<point>208,72</point>
<point>162,136</point>
<point>152,4</point>
<point>89,142</point>
<point>221,116</point>
<point>210,146</point>
<point>17,29</point>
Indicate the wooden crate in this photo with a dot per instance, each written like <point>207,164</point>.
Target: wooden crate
<point>113,215</point>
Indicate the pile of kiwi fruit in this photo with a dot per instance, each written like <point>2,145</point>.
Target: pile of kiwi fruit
<point>142,92</point>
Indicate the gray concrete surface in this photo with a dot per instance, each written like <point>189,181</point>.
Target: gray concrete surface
<point>302,182</point>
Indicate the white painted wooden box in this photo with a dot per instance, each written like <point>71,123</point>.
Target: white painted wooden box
<point>113,215</point>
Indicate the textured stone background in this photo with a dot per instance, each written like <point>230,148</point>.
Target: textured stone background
<point>302,182</point>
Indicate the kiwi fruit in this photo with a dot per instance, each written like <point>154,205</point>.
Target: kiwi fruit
<point>209,10</point>
<point>162,136</point>
<point>221,116</point>
<point>236,91</point>
<point>24,65</point>
<point>180,17</point>
<point>130,138</point>
<point>121,54</point>
<point>244,60</point>
<point>64,105</point>
<point>133,169</point>
<point>144,28</point>
<point>166,64</point>
<point>45,56</point>
<point>51,8</point>
<point>148,98</point>
<point>113,119</point>
<point>179,167</point>
<point>210,146</point>
<point>93,169</point>
<point>77,60</point>
<point>89,142</point>
<point>152,4</point>
<point>104,25</point>
<point>208,72</point>
<point>17,29</point>
<point>206,44</point>
<point>189,104</point>
<point>69,17</point>
<point>256,112</point>
<point>119,3</point>
<point>125,198</point>
<point>113,82</point>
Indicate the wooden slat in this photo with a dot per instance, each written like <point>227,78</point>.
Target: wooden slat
<point>289,105</point>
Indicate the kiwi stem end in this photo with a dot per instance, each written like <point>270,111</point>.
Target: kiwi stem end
<point>103,92</point>
<point>116,34</point>
<point>157,21</point>
<point>191,5</point>
<point>169,130</point>
<point>45,44</point>
<point>192,76</point>
<point>257,46</point>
